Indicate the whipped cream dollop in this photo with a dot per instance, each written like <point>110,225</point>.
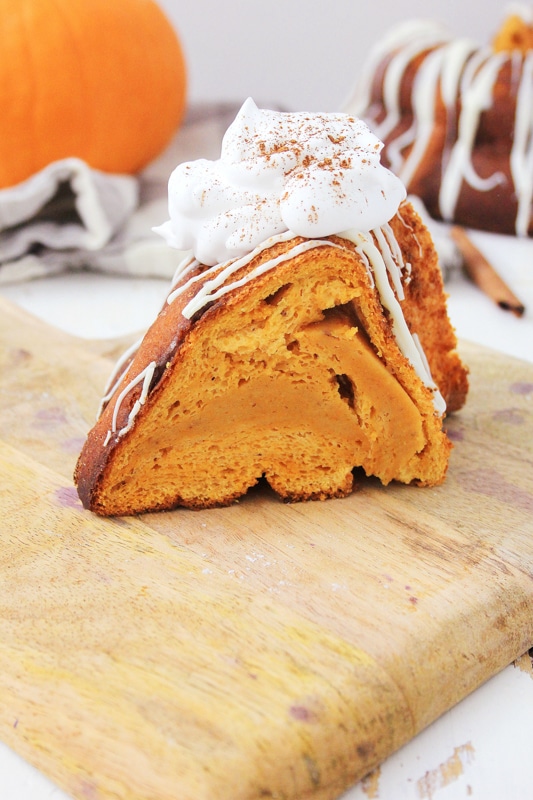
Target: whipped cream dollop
<point>312,174</point>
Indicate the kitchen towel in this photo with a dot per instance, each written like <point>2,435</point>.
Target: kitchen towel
<point>71,217</point>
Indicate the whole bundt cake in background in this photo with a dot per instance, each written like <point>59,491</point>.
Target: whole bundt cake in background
<point>457,120</point>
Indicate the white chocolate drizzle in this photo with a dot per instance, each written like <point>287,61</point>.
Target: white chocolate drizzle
<point>116,376</point>
<point>452,68</point>
<point>220,285</point>
<point>522,150</point>
<point>146,378</point>
<point>480,74</point>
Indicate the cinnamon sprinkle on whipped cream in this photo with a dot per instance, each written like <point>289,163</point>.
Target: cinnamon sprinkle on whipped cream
<point>312,174</point>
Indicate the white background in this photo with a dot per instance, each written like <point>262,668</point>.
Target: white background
<point>303,55</point>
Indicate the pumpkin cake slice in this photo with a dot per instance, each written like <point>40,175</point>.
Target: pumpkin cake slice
<point>298,361</point>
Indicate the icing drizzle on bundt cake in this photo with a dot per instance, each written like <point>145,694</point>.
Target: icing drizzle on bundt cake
<point>456,120</point>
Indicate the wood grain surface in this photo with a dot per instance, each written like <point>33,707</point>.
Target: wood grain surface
<point>259,651</point>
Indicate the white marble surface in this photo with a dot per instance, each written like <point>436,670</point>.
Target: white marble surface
<point>482,747</point>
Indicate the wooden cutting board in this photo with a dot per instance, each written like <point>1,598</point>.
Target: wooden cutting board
<point>259,651</point>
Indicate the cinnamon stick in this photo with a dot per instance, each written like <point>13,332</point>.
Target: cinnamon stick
<point>483,274</point>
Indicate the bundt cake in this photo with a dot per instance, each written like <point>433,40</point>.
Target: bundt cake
<point>306,335</point>
<point>456,120</point>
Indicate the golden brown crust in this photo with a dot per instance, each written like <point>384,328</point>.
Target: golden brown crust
<point>287,376</point>
<point>426,312</point>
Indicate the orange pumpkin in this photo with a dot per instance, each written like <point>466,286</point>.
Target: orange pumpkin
<point>103,80</point>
